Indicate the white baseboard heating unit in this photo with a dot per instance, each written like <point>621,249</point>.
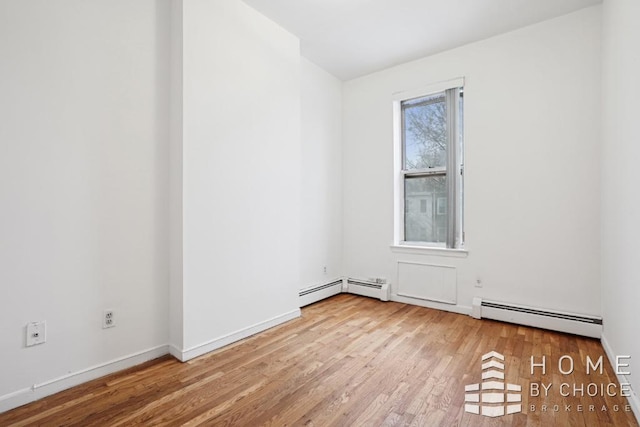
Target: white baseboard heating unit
<point>589,326</point>
<point>368,289</point>
<point>320,292</point>
<point>353,286</point>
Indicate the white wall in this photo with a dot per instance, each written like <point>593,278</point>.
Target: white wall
<point>321,180</point>
<point>532,166</point>
<point>124,188</point>
<point>83,184</point>
<point>620,175</point>
<point>241,173</point>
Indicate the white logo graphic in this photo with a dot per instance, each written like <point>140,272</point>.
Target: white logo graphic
<point>492,397</point>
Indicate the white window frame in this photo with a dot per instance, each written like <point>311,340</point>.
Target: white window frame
<point>454,169</point>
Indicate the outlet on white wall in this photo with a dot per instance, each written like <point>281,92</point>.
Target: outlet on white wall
<point>36,333</point>
<point>108,319</point>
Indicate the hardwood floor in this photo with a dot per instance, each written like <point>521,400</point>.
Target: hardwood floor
<point>348,361</point>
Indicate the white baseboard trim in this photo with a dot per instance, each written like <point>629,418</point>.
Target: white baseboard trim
<point>200,349</point>
<point>453,308</point>
<point>633,400</point>
<point>47,388</point>
<point>175,352</point>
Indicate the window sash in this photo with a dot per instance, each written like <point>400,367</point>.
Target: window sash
<point>422,226</point>
<point>433,98</point>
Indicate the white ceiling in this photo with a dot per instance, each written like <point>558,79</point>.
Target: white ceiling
<point>351,38</point>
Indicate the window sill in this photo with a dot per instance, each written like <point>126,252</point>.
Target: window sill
<point>429,250</point>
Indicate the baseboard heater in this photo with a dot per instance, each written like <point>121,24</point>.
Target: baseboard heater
<point>320,292</point>
<point>352,286</point>
<point>589,326</point>
<point>368,289</point>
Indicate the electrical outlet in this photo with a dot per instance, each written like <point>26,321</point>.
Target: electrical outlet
<point>478,283</point>
<point>324,269</point>
<point>108,319</point>
<point>36,333</point>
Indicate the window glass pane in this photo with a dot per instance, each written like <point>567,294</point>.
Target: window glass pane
<point>425,209</point>
<point>424,132</point>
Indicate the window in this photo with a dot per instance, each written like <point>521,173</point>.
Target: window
<point>429,165</point>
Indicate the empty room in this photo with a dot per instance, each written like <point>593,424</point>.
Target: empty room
<point>319,213</point>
